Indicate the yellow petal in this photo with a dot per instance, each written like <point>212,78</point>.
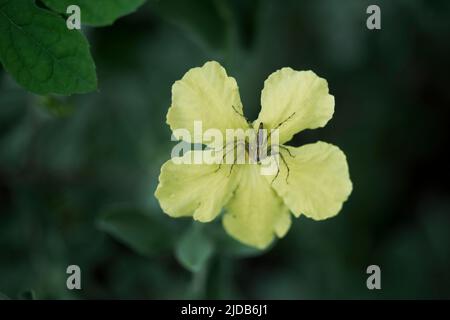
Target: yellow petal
<point>197,190</point>
<point>294,101</point>
<point>206,94</point>
<point>318,182</point>
<point>255,214</point>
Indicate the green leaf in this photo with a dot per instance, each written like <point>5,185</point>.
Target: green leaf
<point>142,232</point>
<point>194,249</point>
<point>97,12</point>
<point>41,53</point>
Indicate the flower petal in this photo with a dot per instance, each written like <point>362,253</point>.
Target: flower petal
<point>318,181</point>
<point>197,190</point>
<point>206,94</point>
<point>293,101</point>
<point>255,214</point>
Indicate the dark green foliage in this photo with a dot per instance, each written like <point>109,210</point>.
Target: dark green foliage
<point>77,174</point>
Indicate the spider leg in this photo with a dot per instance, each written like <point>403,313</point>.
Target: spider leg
<point>231,169</point>
<point>284,121</point>
<point>276,176</point>
<point>226,153</point>
<point>223,158</point>
<point>287,150</point>
<point>232,166</point>
<point>280,124</point>
<point>278,166</point>
<point>218,167</point>
<point>287,167</point>
<point>240,113</point>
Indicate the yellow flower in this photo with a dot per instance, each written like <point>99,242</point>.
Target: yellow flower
<point>257,208</point>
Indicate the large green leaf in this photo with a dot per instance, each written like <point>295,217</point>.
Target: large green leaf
<point>145,234</point>
<point>194,249</point>
<point>41,53</point>
<point>97,12</point>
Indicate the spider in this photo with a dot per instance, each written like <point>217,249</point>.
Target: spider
<point>263,148</point>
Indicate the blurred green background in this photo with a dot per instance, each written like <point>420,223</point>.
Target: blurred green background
<point>77,174</point>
